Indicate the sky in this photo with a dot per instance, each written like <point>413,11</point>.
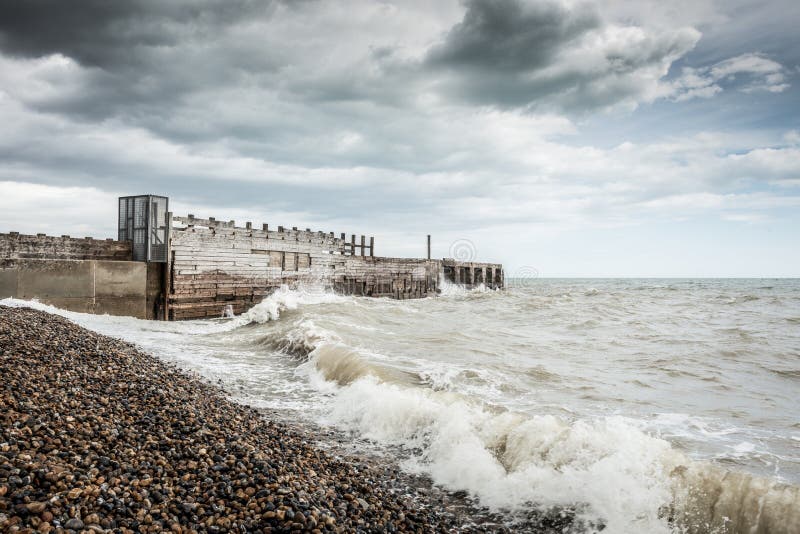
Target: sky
<point>560,137</point>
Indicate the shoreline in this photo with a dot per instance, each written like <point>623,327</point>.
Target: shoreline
<point>100,436</point>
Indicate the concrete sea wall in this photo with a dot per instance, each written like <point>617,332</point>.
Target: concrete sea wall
<point>88,286</point>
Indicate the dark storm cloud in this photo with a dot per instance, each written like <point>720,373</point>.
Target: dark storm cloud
<point>139,57</point>
<point>99,33</point>
<point>516,54</point>
<point>147,61</point>
<point>502,36</point>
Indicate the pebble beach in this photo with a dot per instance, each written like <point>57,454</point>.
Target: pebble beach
<point>97,436</point>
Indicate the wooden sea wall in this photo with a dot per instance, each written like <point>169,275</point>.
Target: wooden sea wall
<point>473,274</point>
<point>399,278</point>
<point>14,245</point>
<point>216,267</point>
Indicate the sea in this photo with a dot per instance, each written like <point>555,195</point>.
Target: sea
<point>647,405</point>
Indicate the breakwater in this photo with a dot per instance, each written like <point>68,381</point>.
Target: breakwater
<point>172,267</point>
<point>215,266</point>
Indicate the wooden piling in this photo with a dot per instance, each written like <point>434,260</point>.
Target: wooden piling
<point>165,284</point>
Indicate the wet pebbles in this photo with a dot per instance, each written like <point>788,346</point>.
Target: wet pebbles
<point>97,436</point>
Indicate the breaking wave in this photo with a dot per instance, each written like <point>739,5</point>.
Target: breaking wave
<point>619,478</point>
<point>284,299</point>
<point>343,365</point>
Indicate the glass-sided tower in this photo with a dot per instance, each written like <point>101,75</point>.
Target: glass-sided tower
<point>143,220</point>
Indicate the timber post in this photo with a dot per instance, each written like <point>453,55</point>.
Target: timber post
<point>165,285</point>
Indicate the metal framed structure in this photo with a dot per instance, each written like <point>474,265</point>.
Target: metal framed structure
<point>143,221</point>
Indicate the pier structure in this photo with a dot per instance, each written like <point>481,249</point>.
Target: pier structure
<point>186,267</point>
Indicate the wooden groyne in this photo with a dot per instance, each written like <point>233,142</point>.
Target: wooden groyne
<point>215,265</point>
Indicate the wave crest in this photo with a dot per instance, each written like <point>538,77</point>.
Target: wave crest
<point>284,299</point>
<point>608,469</point>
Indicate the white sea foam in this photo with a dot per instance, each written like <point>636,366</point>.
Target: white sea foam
<point>449,289</point>
<point>270,308</point>
<point>629,481</point>
<point>618,476</point>
<point>509,461</point>
<point>512,460</point>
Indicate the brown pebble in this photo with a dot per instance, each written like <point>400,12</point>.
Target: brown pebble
<point>36,507</point>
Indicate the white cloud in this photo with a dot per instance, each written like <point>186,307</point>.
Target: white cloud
<point>747,73</point>
<point>792,137</point>
<point>30,208</point>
